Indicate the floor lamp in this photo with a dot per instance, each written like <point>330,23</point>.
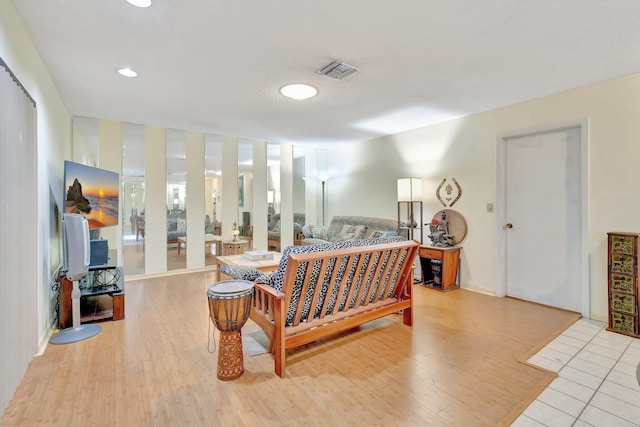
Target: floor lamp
<point>410,194</point>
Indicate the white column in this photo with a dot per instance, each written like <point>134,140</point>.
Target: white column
<point>286,195</point>
<point>229,186</point>
<point>155,206</point>
<point>195,199</point>
<point>260,195</point>
<point>110,158</point>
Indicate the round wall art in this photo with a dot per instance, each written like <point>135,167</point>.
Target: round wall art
<point>452,223</point>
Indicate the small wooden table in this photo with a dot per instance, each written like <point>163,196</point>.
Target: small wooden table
<point>265,265</point>
<point>440,267</point>
<point>209,239</point>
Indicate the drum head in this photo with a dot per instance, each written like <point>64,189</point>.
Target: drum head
<point>229,288</point>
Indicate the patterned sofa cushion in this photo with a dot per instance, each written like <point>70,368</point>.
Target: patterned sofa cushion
<point>374,227</point>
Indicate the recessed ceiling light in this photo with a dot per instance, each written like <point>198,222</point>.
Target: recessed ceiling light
<point>140,3</point>
<point>127,72</point>
<point>299,91</point>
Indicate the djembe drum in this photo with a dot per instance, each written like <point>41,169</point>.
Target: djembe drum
<point>229,307</point>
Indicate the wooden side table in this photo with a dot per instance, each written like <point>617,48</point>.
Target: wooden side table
<point>234,248</point>
<point>440,267</point>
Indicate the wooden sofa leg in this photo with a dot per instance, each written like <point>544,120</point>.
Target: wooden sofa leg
<point>279,354</point>
<point>279,351</point>
<point>280,360</point>
<point>407,316</point>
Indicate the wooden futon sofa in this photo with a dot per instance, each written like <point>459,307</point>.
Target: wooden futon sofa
<point>343,285</point>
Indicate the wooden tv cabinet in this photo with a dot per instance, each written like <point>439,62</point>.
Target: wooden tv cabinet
<point>96,289</point>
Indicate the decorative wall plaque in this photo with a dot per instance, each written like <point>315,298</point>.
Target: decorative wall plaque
<point>449,194</point>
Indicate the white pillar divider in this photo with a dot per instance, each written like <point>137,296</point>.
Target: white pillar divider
<point>229,186</point>
<point>110,158</point>
<point>286,195</point>
<point>195,199</point>
<point>155,200</point>
<point>260,206</point>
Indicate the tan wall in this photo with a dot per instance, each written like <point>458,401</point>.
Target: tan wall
<point>465,149</point>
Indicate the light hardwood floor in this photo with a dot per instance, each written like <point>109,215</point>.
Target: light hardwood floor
<point>457,366</point>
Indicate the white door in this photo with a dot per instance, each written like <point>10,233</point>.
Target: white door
<point>543,218</point>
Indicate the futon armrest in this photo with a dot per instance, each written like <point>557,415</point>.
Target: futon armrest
<point>269,290</point>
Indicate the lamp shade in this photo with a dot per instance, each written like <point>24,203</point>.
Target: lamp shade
<point>409,189</point>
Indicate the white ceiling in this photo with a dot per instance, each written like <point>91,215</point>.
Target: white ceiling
<point>216,66</point>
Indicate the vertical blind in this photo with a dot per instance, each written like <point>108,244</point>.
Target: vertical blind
<point>18,228</point>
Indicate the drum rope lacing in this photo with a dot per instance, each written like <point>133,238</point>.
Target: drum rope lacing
<point>209,335</point>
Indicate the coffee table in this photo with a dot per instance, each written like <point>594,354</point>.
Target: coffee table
<point>265,265</point>
<point>209,239</point>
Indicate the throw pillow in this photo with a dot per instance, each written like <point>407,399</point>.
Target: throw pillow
<point>181,224</point>
<point>376,234</point>
<point>306,230</point>
<point>351,232</point>
<point>276,228</point>
<point>360,231</point>
<point>318,232</point>
<point>241,272</point>
<point>265,278</point>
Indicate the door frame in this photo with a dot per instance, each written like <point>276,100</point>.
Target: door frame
<point>501,240</point>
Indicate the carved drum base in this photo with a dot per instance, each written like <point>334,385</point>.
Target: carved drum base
<point>230,361</point>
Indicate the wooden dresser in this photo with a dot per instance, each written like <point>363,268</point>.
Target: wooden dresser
<point>622,259</point>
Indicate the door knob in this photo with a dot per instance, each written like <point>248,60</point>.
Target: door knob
<point>509,225</point>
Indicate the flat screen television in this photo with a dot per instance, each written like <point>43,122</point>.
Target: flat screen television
<point>93,193</point>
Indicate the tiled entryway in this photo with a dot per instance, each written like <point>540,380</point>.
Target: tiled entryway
<point>596,384</point>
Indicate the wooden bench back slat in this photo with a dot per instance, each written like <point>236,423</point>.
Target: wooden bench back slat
<point>357,280</point>
<point>326,263</point>
<point>333,285</point>
<point>389,273</point>
<point>348,279</point>
<point>375,275</point>
<point>303,292</point>
<point>366,279</point>
<point>385,280</point>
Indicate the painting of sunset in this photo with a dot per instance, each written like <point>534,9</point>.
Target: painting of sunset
<point>93,193</point>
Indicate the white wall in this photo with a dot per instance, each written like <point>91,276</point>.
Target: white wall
<point>465,149</point>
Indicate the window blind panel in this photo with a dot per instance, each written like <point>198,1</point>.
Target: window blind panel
<point>18,226</point>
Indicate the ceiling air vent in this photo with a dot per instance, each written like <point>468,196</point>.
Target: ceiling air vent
<point>337,70</point>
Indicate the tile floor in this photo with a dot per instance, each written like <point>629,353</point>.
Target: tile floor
<point>596,384</point>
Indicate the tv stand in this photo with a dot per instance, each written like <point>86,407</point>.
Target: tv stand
<point>97,285</point>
